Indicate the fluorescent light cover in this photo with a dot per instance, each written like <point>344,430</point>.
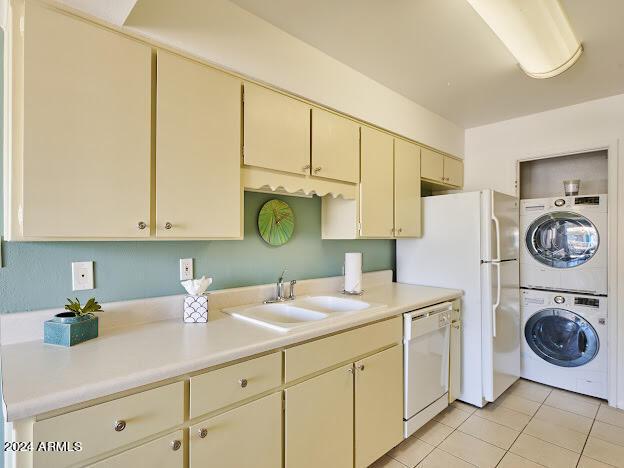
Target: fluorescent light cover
<point>536,32</point>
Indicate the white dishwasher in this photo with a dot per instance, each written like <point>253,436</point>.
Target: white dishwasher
<point>426,335</point>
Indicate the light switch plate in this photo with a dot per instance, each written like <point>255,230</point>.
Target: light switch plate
<point>186,269</point>
<point>82,276</point>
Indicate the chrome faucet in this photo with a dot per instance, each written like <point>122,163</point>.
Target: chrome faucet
<point>279,290</point>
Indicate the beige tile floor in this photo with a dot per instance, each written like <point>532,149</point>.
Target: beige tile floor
<point>530,425</point>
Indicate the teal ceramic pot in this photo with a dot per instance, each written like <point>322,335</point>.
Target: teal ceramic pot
<point>65,329</point>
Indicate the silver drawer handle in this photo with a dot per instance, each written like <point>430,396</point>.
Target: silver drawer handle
<point>141,225</point>
<point>168,225</point>
<point>243,383</point>
<point>175,445</point>
<point>203,432</point>
<point>119,425</point>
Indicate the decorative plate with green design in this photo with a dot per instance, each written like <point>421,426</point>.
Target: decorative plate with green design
<point>276,222</point>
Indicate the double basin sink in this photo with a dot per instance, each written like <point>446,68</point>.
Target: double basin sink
<point>292,315</point>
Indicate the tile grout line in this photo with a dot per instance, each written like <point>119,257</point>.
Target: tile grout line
<point>522,431</point>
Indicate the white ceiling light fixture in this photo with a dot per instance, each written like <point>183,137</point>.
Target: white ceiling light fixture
<point>536,32</point>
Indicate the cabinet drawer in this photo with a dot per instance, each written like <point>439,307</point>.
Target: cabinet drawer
<point>166,452</point>
<point>317,355</point>
<point>143,413</point>
<point>222,387</point>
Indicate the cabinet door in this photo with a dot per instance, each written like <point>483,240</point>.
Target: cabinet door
<point>432,165</point>
<point>277,131</point>
<point>245,437</point>
<point>87,129</point>
<point>197,150</point>
<point>378,405</point>
<point>453,171</point>
<point>335,147</point>
<point>319,421</point>
<point>377,184</point>
<point>166,452</point>
<point>407,206</point>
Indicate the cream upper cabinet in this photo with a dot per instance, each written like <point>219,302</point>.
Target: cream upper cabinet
<point>335,146</point>
<point>276,131</point>
<point>377,184</point>
<point>247,436</point>
<point>378,405</point>
<point>319,421</point>
<point>86,129</point>
<point>454,171</point>
<point>166,452</point>
<point>197,150</point>
<point>438,167</point>
<point>407,205</point>
<point>432,165</point>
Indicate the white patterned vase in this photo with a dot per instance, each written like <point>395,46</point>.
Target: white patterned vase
<point>196,309</point>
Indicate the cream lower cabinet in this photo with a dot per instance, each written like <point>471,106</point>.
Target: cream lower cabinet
<point>378,405</point>
<point>198,141</point>
<point>377,184</point>
<point>249,436</point>
<point>166,452</point>
<point>352,411</point>
<point>319,421</point>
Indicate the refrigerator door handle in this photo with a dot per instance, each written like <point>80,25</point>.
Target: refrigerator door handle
<point>498,297</point>
<point>497,227</point>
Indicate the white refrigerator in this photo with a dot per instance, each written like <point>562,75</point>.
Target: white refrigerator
<point>470,242</point>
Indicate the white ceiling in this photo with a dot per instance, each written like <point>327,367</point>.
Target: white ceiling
<point>441,54</point>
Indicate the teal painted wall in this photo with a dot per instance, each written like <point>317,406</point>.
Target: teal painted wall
<point>38,275</point>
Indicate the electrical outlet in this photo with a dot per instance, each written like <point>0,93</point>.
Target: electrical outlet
<point>82,276</point>
<point>186,269</point>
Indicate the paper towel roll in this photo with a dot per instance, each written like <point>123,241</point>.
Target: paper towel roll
<point>353,272</point>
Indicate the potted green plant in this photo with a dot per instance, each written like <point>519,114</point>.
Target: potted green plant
<point>76,325</point>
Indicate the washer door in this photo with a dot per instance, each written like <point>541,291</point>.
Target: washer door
<point>562,239</point>
<point>561,337</point>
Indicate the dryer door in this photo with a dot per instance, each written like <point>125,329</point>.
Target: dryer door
<point>561,337</point>
<point>562,239</point>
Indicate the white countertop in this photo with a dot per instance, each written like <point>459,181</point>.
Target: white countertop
<point>37,378</point>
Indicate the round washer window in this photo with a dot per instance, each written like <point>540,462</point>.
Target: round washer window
<point>562,239</point>
<point>561,337</point>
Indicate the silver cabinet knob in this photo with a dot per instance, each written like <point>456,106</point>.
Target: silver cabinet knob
<point>350,370</point>
<point>400,230</point>
<point>175,445</point>
<point>317,169</point>
<point>141,225</point>
<point>119,425</point>
<point>360,367</point>
<point>306,168</point>
<point>243,383</point>
<point>203,432</point>
<point>168,225</point>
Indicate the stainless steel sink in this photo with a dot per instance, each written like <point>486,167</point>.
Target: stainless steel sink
<point>286,316</point>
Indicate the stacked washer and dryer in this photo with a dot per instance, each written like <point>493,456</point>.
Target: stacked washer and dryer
<point>563,276</point>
